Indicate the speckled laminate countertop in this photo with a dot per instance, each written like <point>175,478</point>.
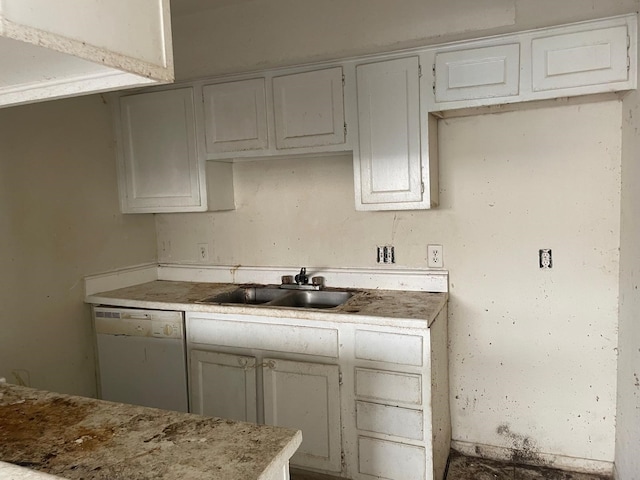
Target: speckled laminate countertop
<point>82,438</point>
<point>379,306</point>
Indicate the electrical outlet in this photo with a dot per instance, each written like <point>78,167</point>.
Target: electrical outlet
<point>385,254</point>
<point>203,252</point>
<point>434,256</point>
<point>545,260</point>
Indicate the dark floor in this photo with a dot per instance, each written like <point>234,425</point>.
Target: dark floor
<point>471,468</point>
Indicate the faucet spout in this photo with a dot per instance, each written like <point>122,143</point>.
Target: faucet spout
<point>302,278</point>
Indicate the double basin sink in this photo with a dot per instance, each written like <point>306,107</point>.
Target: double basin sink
<point>279,297</point>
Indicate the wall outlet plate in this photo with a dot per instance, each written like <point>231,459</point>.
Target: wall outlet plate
<point>434,256</point>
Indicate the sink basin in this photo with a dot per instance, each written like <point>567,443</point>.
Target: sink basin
<point>312,299</point>
<point>278,297</point>
<point>247,295</point>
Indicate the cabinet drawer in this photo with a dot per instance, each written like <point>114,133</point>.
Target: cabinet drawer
<point>401,422</point>
<point>385,459</point>
<point>321,342</point>
<point>476,73</point>
<point>389,347</point>
<point>394,387</point>
<point>580,59</point>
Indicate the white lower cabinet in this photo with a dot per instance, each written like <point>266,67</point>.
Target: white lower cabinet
<point>372,401</point>
<point>306,396</point>
<point>223,385</point>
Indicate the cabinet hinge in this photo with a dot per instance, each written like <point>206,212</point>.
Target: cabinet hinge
<point>343,461</point>
<point>628,63</point>
<point>421,187</point>
<point>340,378</point>
<point>343,79</point>
<point>433,69</point>
<point>345,129</point>
<point>419,70</point>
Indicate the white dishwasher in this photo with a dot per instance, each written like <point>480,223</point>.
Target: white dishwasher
<point>141,357</point>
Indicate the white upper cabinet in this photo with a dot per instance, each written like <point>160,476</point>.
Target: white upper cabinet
<point>309,109</point>
<point>580,59</point>
<point>70,47</point>
<point>388,163</point>
<point>235,116</point>
<point>477,73</point>
<point>159,167</point>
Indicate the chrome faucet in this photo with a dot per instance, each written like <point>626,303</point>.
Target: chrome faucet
<point>301,278</point>
<point>302,281</point>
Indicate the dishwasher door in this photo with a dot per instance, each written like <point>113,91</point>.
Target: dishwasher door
<point>142,357</point>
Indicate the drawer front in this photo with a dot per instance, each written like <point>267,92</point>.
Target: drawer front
<point>389,347</point>
<point>322,342</point>
<point>401,422</point>
<point>393,387</point>
<point>485,72</point>
<point>397,461</point>
<point>580,59</point>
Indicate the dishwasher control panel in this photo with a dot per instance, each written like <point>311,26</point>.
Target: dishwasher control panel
<point>139,323</point>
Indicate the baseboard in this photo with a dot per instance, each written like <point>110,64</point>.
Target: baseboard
<point>561,462</point>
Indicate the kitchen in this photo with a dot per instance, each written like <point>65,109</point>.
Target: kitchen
<point>531,350</point>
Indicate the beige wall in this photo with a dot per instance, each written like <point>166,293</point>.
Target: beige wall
<point>531,350</point>
<point>234,36</point>
<point>59,221</point>
<point>628,429</point>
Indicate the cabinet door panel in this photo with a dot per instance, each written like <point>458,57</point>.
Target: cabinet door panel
<point>161,169</point>
<point>385,459</point>
<point>401,422</point>
<point>389,128</point>
<point>478,73</point>
<point>580,59</point>
<point>306,396</point>
<point>389,387</point>
<point>309,109</point>
<point>223,385</point>
<point>235,116</point>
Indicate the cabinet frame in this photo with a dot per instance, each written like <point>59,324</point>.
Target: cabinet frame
<point>425,358</point>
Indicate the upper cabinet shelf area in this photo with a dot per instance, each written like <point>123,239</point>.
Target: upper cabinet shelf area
<point>383,108</point>
<point>276,113</point>
<point>70,47</point>
<point>580,59</point>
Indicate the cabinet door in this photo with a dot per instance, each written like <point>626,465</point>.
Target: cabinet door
<point>223,385</point>
<point>160,170</point>
<point>309,109</point>
<point>581,59</point>
<point>306,396</point>
<point>389,159</point>
<point>235,116</point>
<point>476,73</point>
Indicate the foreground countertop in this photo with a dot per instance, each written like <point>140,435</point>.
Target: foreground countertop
<point>82,438</point>
<point>364,305</point>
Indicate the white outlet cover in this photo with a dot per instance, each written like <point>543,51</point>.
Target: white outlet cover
<point>435,256</point>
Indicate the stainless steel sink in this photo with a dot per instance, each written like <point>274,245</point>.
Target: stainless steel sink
<point>277,297</point>
<point>312,299</point>
<point>247,295</point>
